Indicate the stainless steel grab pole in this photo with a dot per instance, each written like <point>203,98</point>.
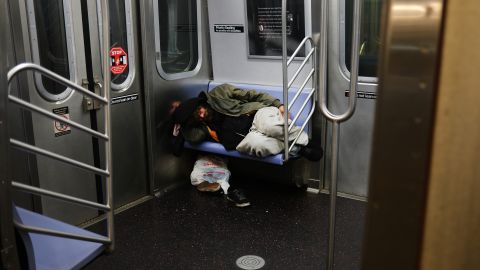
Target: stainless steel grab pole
<point>333,196</point>
<point>352,100</point>
<point>107,120</point>
<point>285,78</point>
<point>337,119</point>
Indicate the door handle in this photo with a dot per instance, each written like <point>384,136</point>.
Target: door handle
<point>90,104</point>
<point>97,86</point>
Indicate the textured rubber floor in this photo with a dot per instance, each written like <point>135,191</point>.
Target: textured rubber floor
<point>188,229</point>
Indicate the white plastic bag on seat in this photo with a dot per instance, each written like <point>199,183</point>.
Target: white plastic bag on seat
<point>212,169</point>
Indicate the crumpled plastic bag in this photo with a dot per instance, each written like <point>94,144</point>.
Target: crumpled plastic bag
<point>212,169</point>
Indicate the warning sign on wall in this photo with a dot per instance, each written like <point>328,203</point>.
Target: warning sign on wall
<point>60,128</point>
<point>118,60</point>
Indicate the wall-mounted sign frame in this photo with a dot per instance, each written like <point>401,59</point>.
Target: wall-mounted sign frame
<point>264,23</point>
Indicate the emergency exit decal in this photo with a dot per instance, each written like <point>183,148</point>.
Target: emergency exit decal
<point>118,60</point>
<point>60,128</point>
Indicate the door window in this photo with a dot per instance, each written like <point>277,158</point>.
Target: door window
<point>369,36</point>
<point>51,36</point>
<point>177,38</point>
<point>121,36</point>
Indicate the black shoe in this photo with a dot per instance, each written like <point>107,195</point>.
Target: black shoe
<point>238,198</point>
<point>312,152</point>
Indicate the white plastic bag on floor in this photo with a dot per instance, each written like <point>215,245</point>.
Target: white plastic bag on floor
<point>212,169</point>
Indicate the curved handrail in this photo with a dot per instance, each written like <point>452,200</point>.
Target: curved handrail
<point>54,76</point>
<point>287,84</point>
<point>299,48</point>
<point>352,99</point>
<point>57,117</point>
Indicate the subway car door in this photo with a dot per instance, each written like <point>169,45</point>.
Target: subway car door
<point>355,142</point>
<point>64,37</point>
<point>128,123</point>
<point>50,34</point>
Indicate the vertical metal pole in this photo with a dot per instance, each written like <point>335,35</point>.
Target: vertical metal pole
<point>285,77</point>
<point>333,195</point>
<point>337,119</point>
<point>322,62</point>
<point>107,117</point>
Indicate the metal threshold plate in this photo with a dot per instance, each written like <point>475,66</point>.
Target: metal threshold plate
<point>250,262</point>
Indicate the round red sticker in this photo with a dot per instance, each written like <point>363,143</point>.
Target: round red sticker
<point>118,60</point>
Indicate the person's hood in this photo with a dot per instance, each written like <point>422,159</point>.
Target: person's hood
<point>186,108</point>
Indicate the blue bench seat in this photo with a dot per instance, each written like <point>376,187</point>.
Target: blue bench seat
<point>276,91</point>
<point>52,252</point>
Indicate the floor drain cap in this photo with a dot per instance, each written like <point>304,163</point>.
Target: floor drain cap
<point>250,262</point>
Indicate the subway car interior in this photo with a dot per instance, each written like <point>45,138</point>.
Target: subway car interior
<point>375,168</point>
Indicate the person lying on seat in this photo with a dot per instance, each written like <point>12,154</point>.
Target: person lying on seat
<point>243,120</point>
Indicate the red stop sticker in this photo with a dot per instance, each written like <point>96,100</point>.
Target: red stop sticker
<point>118,60</point>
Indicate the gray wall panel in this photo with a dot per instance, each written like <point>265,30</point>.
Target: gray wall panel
<point>229,50</point>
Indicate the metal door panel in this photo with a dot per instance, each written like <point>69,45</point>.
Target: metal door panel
<point>129,151</point>
<point>51,174</point>
<point>355,142</point>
